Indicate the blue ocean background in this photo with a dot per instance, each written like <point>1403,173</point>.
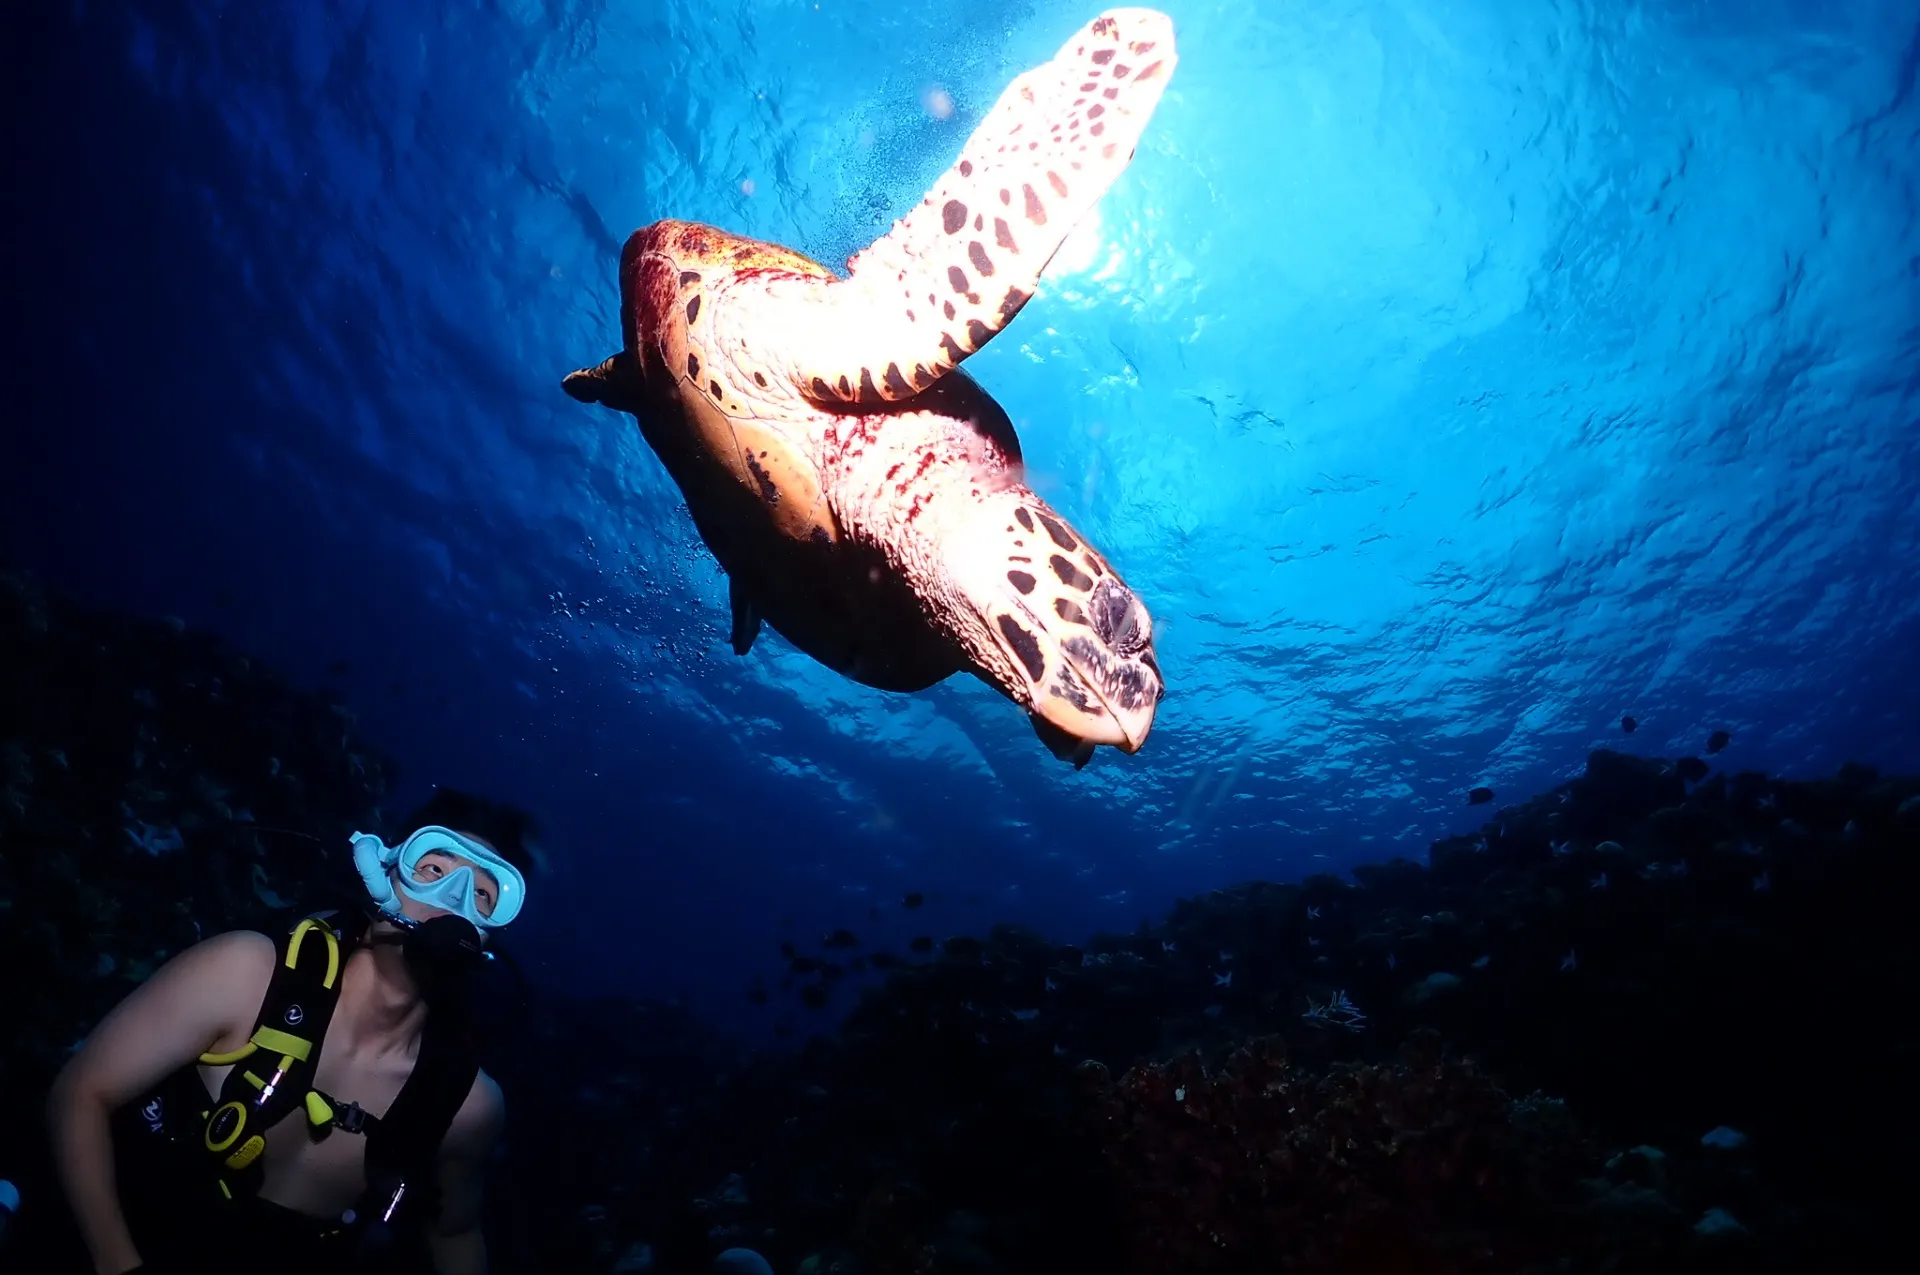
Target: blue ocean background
<point>1448,378</point>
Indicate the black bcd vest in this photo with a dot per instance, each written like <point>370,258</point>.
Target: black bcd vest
<point>226,1138</point>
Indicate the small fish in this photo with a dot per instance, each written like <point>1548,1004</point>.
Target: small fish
<point>1569,962</point>
<point>921,944</point>
<point>1851,832</point>
<point>914,899</point>
<point>1392,961</point>
<point>1560,848</point>
<point>1481,962</point>
<point>1763,883</point>
<point>1629,723</point>
<point>1225,956</point>
<point>1718,740</point>
<point>1223,980</point>
<point>1051,985</point>
<point>1313,942</point>
<point>840,938</point>
<point>1168,945</point>
<point>1479,796</point>
<point>1313,913</point>
<point>1598,883</point>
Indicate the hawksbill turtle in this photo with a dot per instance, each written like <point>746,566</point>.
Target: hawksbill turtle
<point>866,497</point>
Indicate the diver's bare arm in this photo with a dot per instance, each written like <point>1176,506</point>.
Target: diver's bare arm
<point>458,1248</point>
<point>193,1003</point>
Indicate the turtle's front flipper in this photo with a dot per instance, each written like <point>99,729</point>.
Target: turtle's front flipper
<point>956,269</point>
<point>614,383</point>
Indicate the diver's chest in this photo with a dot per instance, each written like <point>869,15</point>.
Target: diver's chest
<point>326,1174</point>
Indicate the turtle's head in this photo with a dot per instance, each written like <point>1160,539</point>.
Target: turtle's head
<point>1056,629</point>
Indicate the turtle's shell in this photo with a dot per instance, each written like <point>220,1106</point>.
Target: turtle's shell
<point>764,447</point>
<point>748,463</point>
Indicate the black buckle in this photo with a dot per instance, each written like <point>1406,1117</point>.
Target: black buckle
<point>352,1117</point>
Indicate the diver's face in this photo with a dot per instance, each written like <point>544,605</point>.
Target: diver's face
<point>435,864</point>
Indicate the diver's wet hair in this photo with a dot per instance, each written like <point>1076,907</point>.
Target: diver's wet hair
<point>506,828</point>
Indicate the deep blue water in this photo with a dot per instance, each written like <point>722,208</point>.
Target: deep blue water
<point>1449,379</point>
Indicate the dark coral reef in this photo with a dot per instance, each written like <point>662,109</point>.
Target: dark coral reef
<point>154,788</point>
<point>1655,1019</point>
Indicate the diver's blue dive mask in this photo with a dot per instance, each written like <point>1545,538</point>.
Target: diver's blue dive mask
<point>451,893</point>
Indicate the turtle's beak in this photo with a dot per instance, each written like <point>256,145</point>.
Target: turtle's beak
<point>1067,640</point>
<point>1109,684</point>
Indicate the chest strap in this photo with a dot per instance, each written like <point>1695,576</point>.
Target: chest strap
<point>273,1072</point>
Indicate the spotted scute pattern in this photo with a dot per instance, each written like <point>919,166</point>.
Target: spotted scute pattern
<point>956,269</point>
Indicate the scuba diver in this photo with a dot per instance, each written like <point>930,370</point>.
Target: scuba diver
<point>308,1101</point>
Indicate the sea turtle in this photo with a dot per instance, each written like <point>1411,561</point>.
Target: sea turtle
<point>865,497</point>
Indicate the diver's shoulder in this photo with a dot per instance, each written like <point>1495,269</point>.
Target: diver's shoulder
<point>234,953</point>
<point>481,1116</point>
<point>239,945</point>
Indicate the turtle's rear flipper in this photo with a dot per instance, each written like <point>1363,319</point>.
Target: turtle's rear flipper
<point>611,384</point>
<point>958,267</point>
<point>746,620</point>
